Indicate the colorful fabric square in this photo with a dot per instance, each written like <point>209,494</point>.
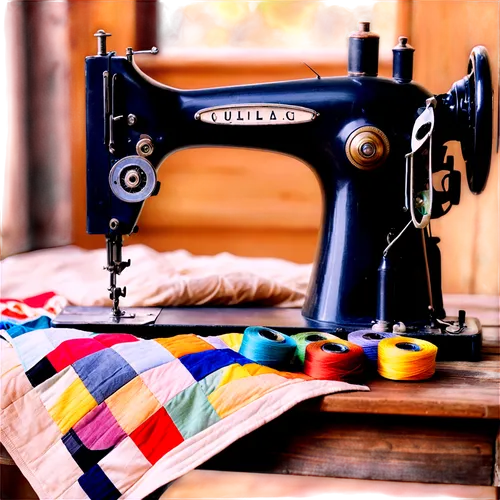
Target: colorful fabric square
<point>212,381</point>
<point>83,456</point>
<point>125,465</point>
<point>32,346</point>
<point>40,372</point>
<point>99,429</point>
<point>59,335</point>
<point>143,355</point>
<point>145,404</point>
<point>215,342</point>
<point>157,435</point>
<point>201,364</point>
<point>111,339</point>
<point>56,469</point>
<point>53,388</point>
<point>237,371</point>
<point>232,340</point>
<point>73,404</point>
<point>236,394</point>
<point>103,373</point>
<point>98,486</point>
<point>178,377</point>
<point>232,372</point>
<point>191,411</point>
<point>180,345</point>
<point>70,351</point>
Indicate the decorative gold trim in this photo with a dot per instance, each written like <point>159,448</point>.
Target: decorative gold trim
<point>367,136</point>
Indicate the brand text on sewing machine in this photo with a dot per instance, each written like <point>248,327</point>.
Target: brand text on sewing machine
<point>256,114</point>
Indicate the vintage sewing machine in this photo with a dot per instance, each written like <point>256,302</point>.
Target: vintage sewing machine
<point>374,144</point>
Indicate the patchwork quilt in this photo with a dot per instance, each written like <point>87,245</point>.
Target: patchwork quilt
<point>108,416</point>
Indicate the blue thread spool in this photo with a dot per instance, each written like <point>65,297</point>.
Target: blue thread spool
<point>369,341</point>
<point>268,347</point>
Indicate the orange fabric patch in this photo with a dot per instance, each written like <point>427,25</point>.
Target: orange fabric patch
<point>144,404</point>
<point>180,345</point>
<point>241,392</point>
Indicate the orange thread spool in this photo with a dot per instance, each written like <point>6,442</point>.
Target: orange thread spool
<point>334,360</point>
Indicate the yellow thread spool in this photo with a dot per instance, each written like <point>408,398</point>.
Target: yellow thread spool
<point>404,358</point>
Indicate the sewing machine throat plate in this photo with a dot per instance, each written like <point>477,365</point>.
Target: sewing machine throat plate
<point>76,316</point>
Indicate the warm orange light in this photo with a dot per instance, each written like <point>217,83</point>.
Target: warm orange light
<point>279,24</point>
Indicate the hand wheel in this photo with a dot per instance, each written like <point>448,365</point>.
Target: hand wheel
<point>474,100</point>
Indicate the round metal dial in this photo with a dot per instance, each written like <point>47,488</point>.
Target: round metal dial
<point>132,179</point>
<point>367,148</point>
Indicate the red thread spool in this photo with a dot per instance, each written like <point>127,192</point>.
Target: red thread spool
<point>334,360</point>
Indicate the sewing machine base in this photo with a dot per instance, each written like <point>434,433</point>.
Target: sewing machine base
<point>150,322</point>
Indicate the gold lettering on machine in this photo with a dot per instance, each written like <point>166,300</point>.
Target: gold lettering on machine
<point>256,114</point>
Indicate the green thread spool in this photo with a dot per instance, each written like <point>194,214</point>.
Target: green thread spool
<point>304,339</point>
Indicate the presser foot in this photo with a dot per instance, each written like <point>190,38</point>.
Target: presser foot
<point>115,266</point>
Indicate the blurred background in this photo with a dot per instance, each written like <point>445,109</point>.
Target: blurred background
<point>245,202</point>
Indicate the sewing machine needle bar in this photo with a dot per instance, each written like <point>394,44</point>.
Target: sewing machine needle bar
<point>115,266</point>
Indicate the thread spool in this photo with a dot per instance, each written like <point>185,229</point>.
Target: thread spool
<point>304,338</point>
<point>404,358</point>
<point>334,360</point>
<point>369,341</point>
<point>268,347</point>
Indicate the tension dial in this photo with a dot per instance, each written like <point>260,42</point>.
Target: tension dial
<point>367,148</point>
<point>132,179</point>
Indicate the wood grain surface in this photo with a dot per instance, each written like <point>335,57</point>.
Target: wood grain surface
<point>388,447</point>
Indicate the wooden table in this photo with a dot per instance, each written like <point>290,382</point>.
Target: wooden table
<point>444,430</point>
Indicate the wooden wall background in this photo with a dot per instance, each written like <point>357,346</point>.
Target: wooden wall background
<point>262,204</point>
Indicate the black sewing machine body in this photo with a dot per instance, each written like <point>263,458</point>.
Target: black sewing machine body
<point>354,133</point>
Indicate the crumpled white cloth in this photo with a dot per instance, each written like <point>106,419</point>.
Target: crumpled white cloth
<point>155,278</point>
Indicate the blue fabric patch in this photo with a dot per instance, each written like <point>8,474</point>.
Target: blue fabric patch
<point>84,457</point>
<point>40,372</point>
<point>97,485</point>
<point>15,329</point>
<point>201,364</point>
<point>143,355</point>
<point>103,373</point>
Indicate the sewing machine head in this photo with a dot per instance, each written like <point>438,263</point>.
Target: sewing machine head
<point>373,143</point>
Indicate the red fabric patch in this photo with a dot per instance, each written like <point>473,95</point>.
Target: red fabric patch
<point>157,436</point>
<point>72,350</point>
<point>110,339</point>
<point>39,300</point>
<point>11,314</point>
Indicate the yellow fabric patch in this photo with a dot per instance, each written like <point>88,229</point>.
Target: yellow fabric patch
<point>233,372</point>
<point>233,340</point>
<point>236,371</point>
<point>73,404</point>
<point>144,404</point>
<point>181,345</point>
<point>239,393</point>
